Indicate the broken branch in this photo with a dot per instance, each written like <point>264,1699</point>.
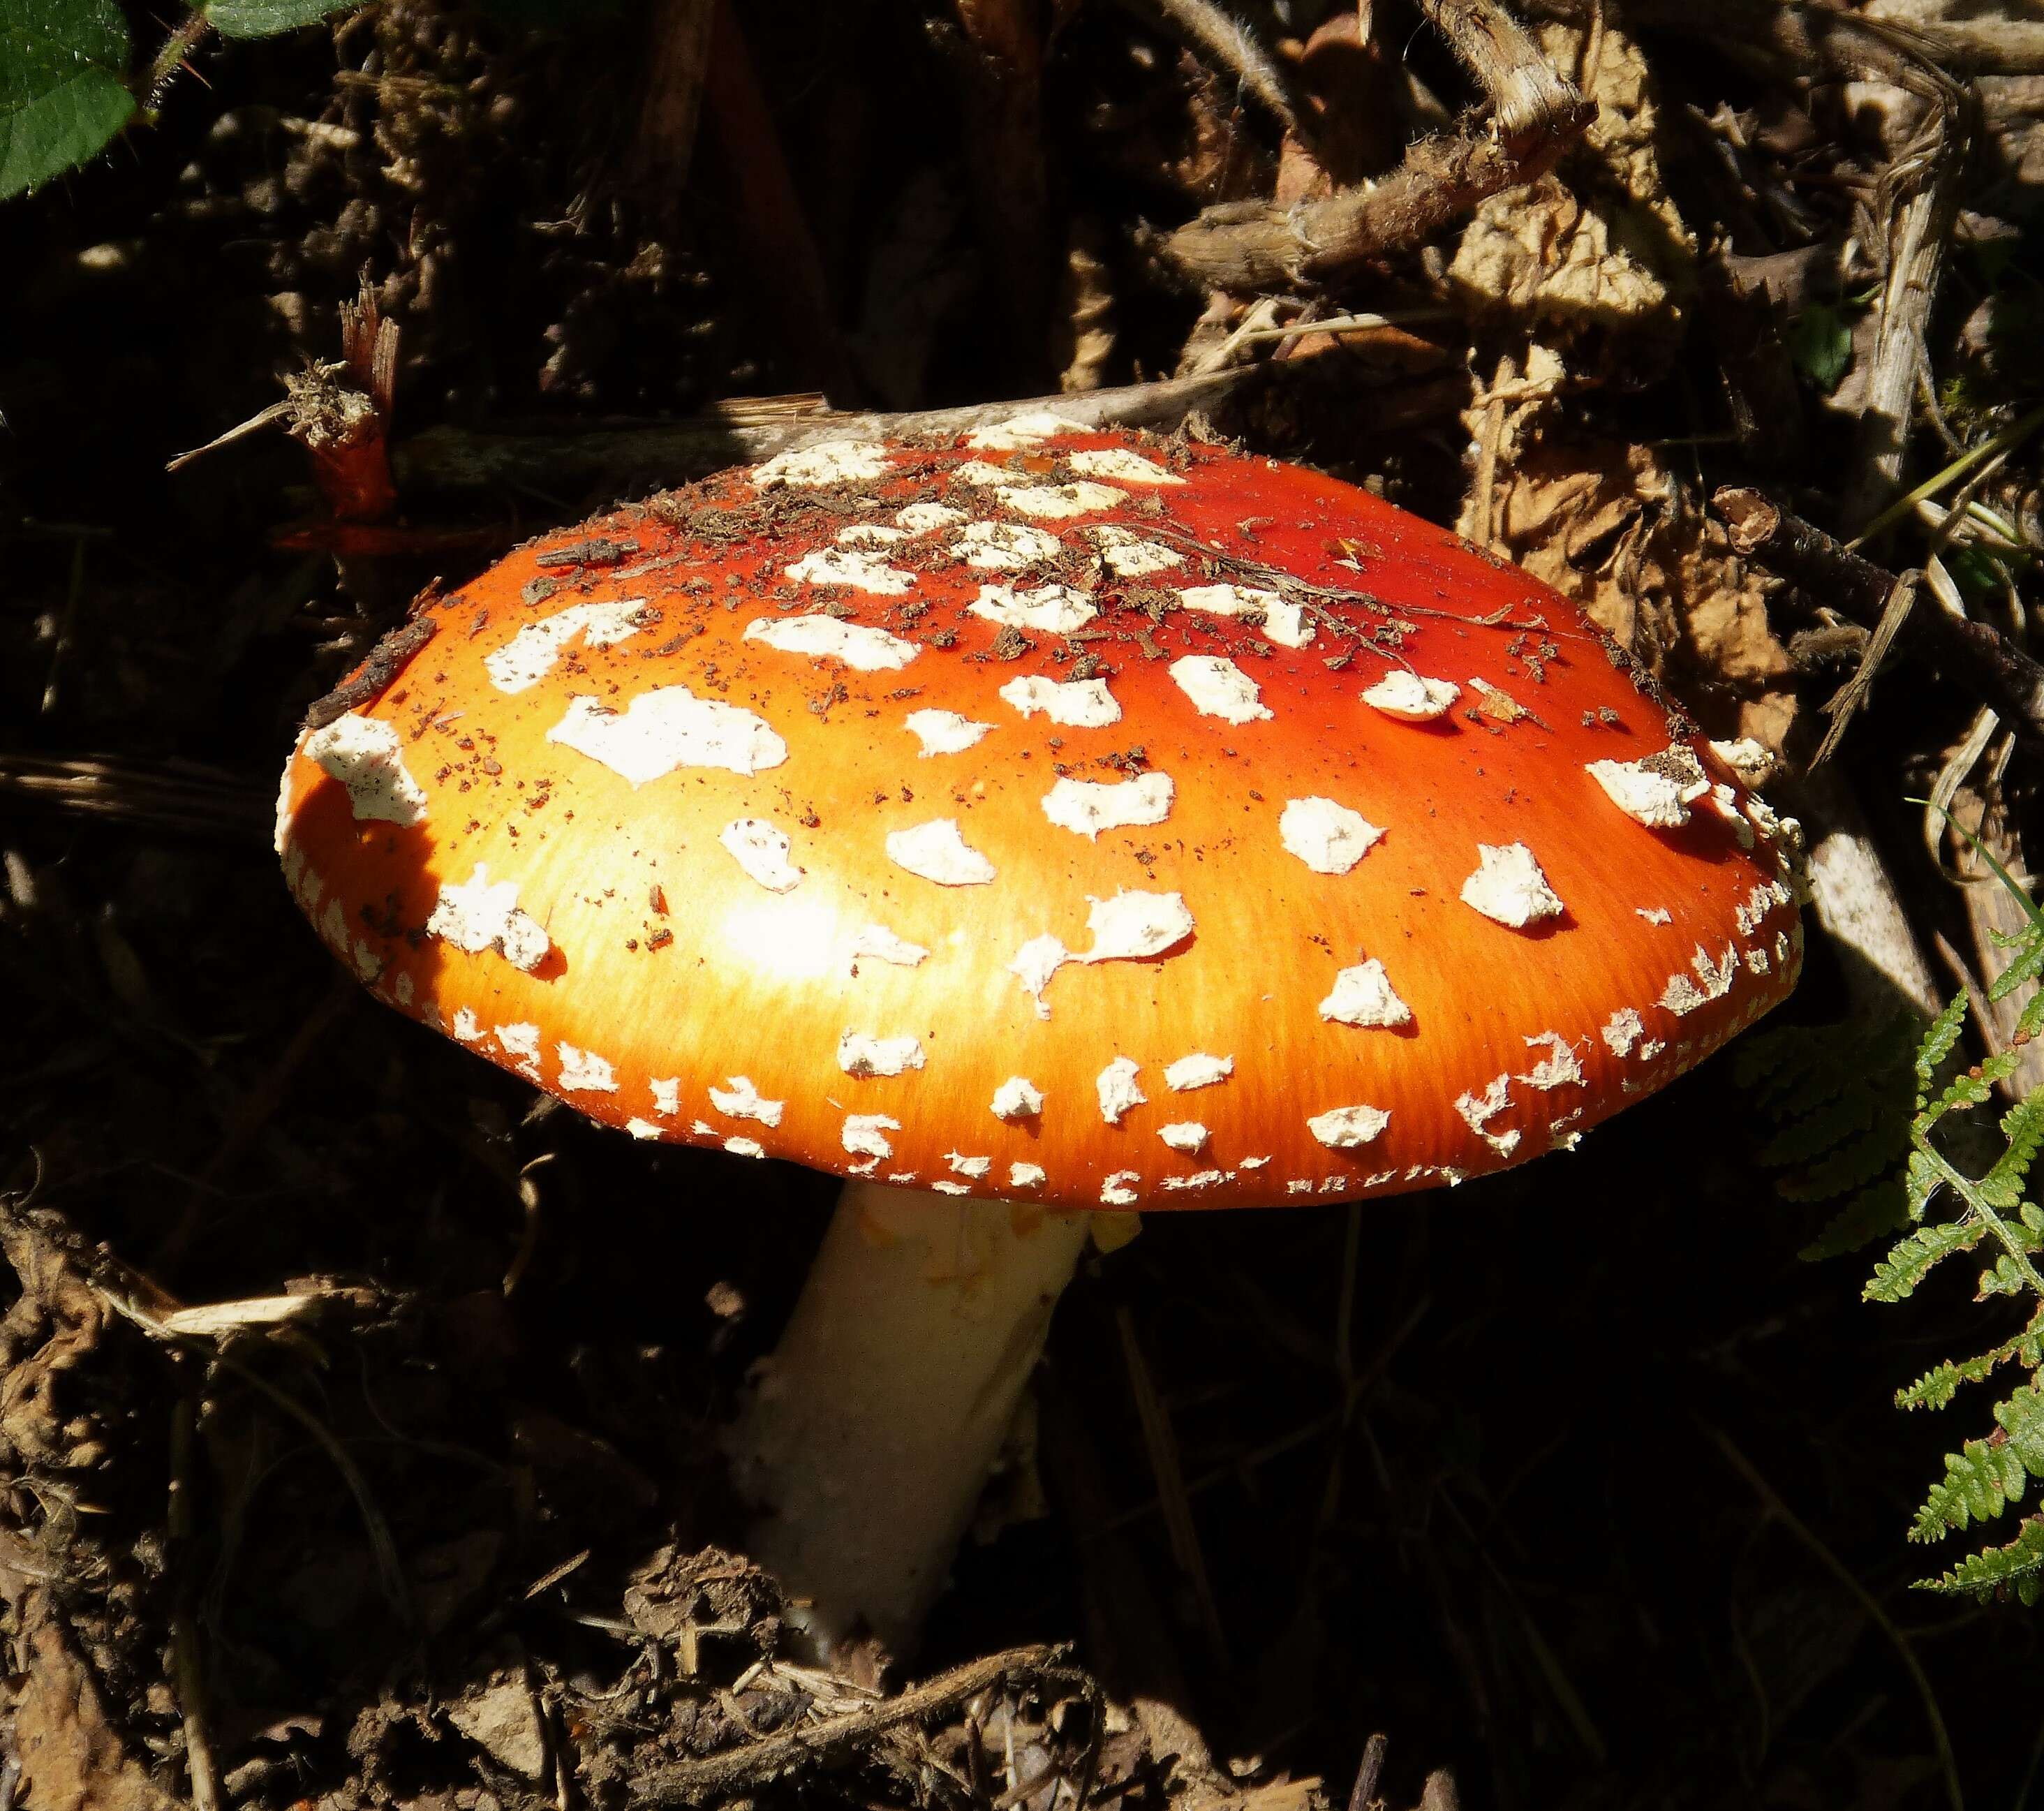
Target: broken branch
<point>1533,117</point>
<point>1998,673</point>
<point>615,460</point>
<point>818,1745</point>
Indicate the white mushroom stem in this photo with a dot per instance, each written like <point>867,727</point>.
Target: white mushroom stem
<point>870,1432</point>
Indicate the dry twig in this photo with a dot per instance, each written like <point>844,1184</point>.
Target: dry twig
<point>1533,117</point>
<point>1216,36</point>
<point>820,1744</point>
<point>617,460</point>
<point>1997,672</point>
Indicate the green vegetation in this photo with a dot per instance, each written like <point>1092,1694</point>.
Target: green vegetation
<point>69,85</point>
<point>1874,1126</point>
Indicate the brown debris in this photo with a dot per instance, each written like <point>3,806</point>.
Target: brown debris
<point>72,1758</point>
<point>387,659</point>
<point>1257,246</point>
<point>1609,525</point>
<point>1350,82</point>
<point>1997,670</point>
<point>819,1744</point>
<point>345,425</point>
<point>1594,251</point>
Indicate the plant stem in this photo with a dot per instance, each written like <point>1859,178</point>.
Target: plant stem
<point>189,36</point>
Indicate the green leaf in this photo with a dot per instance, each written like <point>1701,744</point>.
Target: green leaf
<point>1936,1388</point>
<point>1985,1477</point>
<point>2005,1276</point>
<point>1921,1179</point>
<point>63,89</point>
<point>1964,1090</point>
<point>2023,1126</point>
<point>2027,967</point>
<point>1895,1276</point>
<point>2031,1021</point>
<point>1938,1043</point>
<point>2017,1567</point>
<point>2009,884</point>
<point>1981,572</point>
<point>266,18</point>
<point>1821,344</point>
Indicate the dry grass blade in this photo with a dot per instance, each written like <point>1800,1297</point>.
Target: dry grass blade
<point>178,796</point>
<point>187,1671</point>
<point>622,460</point>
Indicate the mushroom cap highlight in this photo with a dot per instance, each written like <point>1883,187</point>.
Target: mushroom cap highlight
<point>1072,816</point>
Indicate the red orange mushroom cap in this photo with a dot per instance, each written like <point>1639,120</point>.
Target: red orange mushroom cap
<point>1061,815</point>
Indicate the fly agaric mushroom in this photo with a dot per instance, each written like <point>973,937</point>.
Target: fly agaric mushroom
<point>1057,821</point>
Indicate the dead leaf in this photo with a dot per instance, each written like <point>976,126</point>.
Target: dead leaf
<point>72,1759</point>
<point>1595,249</point>
<point>1609,525</point>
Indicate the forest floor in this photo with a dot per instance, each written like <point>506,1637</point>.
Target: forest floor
<point>1578,1485</point>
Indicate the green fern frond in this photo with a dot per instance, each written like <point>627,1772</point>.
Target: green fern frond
<point>2007,1275</point>
<point>1936,1388</point>
<point>1870,1130</point>
<point>1980,1482</point>
<point>1984,1478</point>
<point>2029,1021</point>
<point>1938,1043</point>
<point>2027,967</point>
<point>1971,1090</point>
<point>1821,1126</point>
<point>1840,1101</point>
<point>2017,1568</point>
<point>1913,1256</point>
<point>2022,1128</point>
<point>1858,1165</point>
<point>1921,1178</point>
